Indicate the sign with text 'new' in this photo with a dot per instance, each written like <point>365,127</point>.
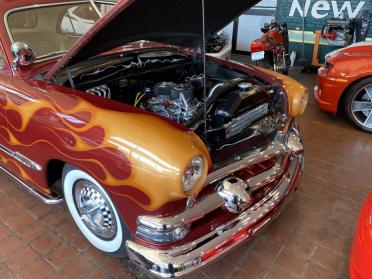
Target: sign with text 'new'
<point>323,8</point>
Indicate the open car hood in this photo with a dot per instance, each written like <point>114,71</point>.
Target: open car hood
<point>176,22</point>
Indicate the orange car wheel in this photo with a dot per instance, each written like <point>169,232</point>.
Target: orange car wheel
<point>358,104</point>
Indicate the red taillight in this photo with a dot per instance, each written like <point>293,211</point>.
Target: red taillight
<point>329,35</point>
<point>257,46</point>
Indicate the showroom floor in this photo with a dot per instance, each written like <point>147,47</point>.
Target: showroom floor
<point>311,239</point>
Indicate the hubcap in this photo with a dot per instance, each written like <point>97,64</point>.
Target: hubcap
<point>361,106</point>
<point>95,210</point>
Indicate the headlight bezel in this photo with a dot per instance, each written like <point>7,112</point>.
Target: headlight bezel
<point>192,173</point>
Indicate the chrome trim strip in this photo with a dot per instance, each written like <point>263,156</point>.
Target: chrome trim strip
<point>43,197</point>
<point>185,259</point>
<point>21,158</point>
<point>198,211</point>
<point>250,158</point>
<point>265,177</point>
<point>27,162</point>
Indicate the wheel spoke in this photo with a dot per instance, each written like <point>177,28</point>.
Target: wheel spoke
<point>369,92</point>
<point>361,106</point>
<point>368,121</point>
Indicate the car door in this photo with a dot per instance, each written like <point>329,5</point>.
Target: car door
<point>12,159</point>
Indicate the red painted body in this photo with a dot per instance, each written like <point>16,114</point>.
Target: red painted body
<point>343,68</point>
<point>361,251</point>
<point>52,134</point>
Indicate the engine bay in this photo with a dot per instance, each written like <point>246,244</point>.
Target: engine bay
<point>163,82</point>
<point>171,84</point>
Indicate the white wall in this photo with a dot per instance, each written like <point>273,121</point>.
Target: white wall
<point>249,27</point>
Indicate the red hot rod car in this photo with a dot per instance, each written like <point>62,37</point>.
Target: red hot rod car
<point>162,154</point>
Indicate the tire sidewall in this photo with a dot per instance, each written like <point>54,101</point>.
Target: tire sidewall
<point>350,93</point>
<point>114,247</point>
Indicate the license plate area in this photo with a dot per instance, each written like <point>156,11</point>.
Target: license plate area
<point>257,55</point>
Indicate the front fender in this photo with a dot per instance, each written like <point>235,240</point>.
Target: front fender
<point>133,153</point>
<point>297,93</point>
<point>158,153</point>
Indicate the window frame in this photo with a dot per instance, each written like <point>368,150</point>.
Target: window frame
<point>3,56</point>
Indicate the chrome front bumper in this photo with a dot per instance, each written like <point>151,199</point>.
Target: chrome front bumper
<point>187,258</point>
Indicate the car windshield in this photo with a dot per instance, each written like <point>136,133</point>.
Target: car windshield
<point>51,30</point>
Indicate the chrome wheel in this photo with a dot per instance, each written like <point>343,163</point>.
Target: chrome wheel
<point>361,106</point>
<point>94,210</point>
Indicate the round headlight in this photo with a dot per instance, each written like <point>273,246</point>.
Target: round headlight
<point>193,171</point>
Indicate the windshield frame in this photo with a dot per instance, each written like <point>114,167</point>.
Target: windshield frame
<point>55,54</point>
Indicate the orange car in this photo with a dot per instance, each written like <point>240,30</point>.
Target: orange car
<point>360,253</point>
<point>345,84</point>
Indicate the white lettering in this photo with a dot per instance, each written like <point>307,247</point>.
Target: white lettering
<point>296,6</point>
<point>320,6</point>
<point>321,9</point>
<point>347,6</point>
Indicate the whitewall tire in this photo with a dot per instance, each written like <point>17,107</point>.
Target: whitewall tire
<point>94,213</point>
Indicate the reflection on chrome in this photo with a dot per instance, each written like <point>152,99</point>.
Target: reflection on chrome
<point>186,258</point>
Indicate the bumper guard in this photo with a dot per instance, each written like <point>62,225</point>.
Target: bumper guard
<point>187,258</point>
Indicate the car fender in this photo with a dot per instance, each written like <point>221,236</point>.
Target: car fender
<point>136,155</point>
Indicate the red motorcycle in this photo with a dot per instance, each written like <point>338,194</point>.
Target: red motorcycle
<point>272,47</point>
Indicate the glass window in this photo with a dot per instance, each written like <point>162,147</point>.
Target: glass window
<point>52,30</point>
<point>26,19</point>
<point>79,19</point>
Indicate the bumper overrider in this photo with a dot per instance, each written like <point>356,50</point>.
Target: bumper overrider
<point>189,257</point>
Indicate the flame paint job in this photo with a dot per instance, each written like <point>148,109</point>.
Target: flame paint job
<point>137,156</point>
<point>117,148</point>
<point>361,250</point>
<point>349,65</point>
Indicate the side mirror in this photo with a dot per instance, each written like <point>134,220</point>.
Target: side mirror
<point>24,55</point>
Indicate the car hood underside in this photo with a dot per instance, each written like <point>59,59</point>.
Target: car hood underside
<point>176,22</point>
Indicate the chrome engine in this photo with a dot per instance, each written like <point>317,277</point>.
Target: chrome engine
<point>100,91</point>
<point>174,101</point>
